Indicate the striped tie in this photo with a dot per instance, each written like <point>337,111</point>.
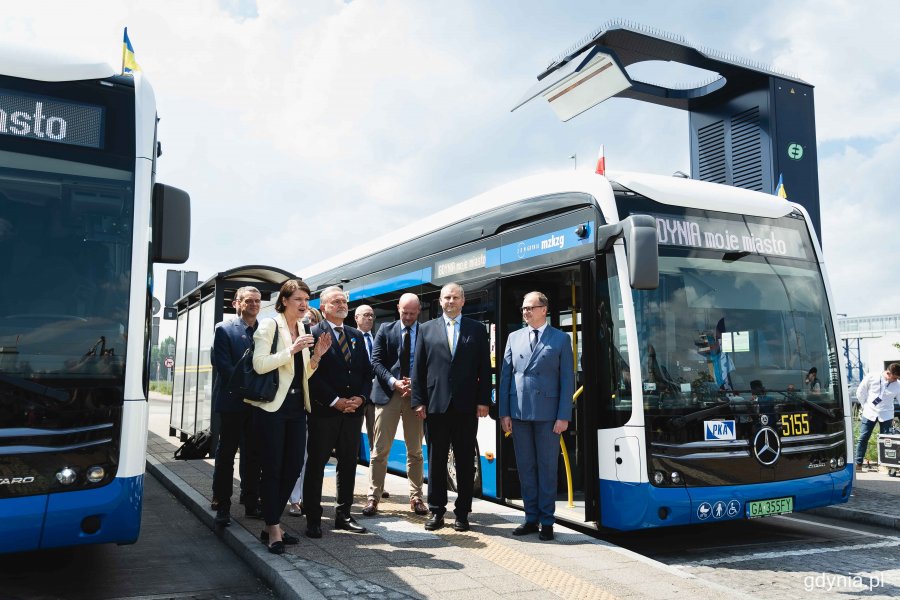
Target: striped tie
<point>342,342</point>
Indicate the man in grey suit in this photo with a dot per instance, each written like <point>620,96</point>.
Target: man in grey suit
<point>451,387</point>
<point>537,381</point>
<point>392,359</point>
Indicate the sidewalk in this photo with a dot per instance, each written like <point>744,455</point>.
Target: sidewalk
<point>398,559</point>
<point>875,500</point>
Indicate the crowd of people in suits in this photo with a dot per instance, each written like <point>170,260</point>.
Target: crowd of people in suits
<point>435,377</point>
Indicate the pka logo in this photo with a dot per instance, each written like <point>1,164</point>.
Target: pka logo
<point>718,430</point>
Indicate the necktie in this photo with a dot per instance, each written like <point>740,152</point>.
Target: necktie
<point>451,335</point>
<point>342,342</point>
<point>405,354</point>
<point>369,344</point>
<point>534,338</point>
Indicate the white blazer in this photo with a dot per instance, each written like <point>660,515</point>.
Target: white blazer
<point>264,361</point>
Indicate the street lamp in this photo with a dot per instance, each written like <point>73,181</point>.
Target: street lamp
<point>575,158</point>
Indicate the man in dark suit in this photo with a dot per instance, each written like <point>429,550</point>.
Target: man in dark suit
<point>338,390</point>
<point>537,381</point>
<point>392,360</point>
<point>451,388</point>
<point>231,339</point>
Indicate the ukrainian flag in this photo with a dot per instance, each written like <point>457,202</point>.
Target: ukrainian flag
<point>129,64</point>
<point>779,189</point>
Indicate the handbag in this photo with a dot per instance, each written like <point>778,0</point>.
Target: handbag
<point>249,384</point>
<point>196,446</point>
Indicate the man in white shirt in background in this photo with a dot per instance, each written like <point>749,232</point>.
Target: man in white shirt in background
<point>877,393</point>
<point>365,320</point>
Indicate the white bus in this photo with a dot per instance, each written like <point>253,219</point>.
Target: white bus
<point>81,224</point>
<point>695,311</point>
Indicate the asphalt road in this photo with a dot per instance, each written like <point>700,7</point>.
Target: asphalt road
<point>175,557</point>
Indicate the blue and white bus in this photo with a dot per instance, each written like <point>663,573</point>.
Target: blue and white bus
<point>81,224</point>
<point>695,311</point>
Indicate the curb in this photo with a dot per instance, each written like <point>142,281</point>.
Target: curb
<point>857,516</point>
<point>278,573</point>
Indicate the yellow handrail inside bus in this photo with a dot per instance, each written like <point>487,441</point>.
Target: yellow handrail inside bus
<point>562,441</point>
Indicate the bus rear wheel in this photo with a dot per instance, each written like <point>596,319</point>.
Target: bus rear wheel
<point>451,472</point>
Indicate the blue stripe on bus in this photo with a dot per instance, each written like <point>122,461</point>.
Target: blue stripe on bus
<point>397,464</point>
<point>554,241</point>
<point>118,505</point>
<point>628,506</point>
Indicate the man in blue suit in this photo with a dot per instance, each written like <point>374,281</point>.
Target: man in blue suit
<point>231,339</point>
<point>339,390</point>
<point>451,381</point>
<point>537,380</point>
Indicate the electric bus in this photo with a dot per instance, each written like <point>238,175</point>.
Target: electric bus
<point>81,224</point>
<point>694,310</point>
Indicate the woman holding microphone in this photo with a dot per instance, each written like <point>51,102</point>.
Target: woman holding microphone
<point>280,425</point>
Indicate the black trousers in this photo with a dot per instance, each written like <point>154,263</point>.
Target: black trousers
<point>281,437</point>
<point>342,434</point>
<point>442,430</point>
<point>236,431</point>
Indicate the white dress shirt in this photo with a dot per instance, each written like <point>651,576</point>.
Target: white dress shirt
<point>873,387</point>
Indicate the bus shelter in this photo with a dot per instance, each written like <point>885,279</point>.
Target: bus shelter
<point>198,312</point>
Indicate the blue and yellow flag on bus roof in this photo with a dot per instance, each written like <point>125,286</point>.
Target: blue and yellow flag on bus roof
<point>779,189</point>
<point>129,64</point>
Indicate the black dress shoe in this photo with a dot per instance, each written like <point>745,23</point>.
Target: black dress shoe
<point>461,524</point>
<point>526,528</point>
<point>434,523</point>
<point>276,548</point>
<point>254,513</point>
<point>546,533</point>
<point>288,539</point>
<point>385,495</point>
<point>350,525</point>
<point>223,517</point>
<point>314,531</point>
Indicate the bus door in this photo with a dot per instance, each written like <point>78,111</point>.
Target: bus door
<point>566,295</point>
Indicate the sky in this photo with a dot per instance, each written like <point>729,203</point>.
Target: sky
<point>301,128</point>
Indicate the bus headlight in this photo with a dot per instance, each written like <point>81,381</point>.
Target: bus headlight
<point>841,462</point>
<point>676,477</point>
<point>96,474</point>
<point>66,476</point>
<point>659,478</point>
<point>832,463</point>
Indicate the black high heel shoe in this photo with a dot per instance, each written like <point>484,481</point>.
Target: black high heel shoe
<point>287,538</point>
<point>276,548</point>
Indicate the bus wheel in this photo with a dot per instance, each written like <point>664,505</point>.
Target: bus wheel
<point>451,472</point>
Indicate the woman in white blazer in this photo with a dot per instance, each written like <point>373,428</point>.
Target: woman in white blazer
<point>280,425</point>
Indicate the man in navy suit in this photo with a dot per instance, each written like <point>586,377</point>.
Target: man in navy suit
<point>231,339</point>
<point>451,388</point>
<point>537,380</point>
<point>338,392</point>
<point>393,355</point>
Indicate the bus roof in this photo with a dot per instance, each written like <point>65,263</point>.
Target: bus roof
<point>677,191</point>
<point>47,65</point>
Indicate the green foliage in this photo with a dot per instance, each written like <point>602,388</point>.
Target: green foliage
<point>163,387</point>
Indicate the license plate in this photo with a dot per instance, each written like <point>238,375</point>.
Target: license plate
<point>765,508</point>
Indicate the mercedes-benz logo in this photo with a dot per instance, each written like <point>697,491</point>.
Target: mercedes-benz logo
<point>766,446</point>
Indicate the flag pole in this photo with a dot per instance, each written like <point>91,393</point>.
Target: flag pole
<point>124,49</point>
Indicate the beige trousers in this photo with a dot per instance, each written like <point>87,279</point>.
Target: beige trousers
<point>387,417</point>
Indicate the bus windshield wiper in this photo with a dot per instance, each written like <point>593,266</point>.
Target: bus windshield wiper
<point>680,421</point>
<point>828,412</point>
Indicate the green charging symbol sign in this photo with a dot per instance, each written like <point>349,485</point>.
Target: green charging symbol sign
<point>795,151</point>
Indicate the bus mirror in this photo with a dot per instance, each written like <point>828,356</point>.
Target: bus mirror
<point>642,251</point>
<point>171,224</point>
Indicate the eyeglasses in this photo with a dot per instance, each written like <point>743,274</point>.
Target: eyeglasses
<point>531,308</point>
<point>367,316</point>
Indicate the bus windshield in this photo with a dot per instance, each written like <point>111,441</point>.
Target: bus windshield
<point>65,264</point>
<point>742,328</point>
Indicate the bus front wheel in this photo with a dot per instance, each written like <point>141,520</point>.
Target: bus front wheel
<point>451,472</point>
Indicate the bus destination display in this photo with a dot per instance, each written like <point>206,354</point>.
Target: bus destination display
<point>50,120</point>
